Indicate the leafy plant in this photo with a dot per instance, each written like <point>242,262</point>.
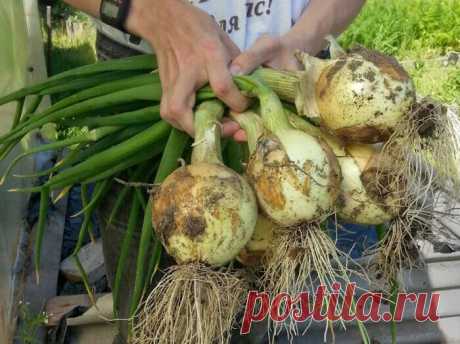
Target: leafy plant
<point>60,10</point>
<point>402,27</point>
<point>31,322</point>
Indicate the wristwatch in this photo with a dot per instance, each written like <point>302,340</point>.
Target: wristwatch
<point>115,12</point>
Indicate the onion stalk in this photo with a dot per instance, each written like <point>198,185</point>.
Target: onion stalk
<point>91,136</point>
<point>135,63</point>
<point>204,214</point>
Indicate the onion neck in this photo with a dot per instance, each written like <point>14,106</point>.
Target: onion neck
<point>306,94</point>
<point>208,133</point>
<point>302,124</point>
<point>271,108</point>
<point>252,124</point>
<point>335,49</point>
<point>297,87</point>
<point>284,83</point>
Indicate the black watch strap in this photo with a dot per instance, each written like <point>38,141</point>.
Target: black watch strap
<point>115,12</point>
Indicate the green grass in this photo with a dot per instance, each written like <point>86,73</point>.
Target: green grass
<point>407,28</point>
<point>417,32</point>
<point>73,37</point>
<point>30,324</point>
<point>433,79</point>
<point>68,53</point>
<point>72,49</point>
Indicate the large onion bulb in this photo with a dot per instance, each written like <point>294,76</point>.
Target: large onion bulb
<point>359,96</point>
<point>295,176</point>
<point>361,201</point>
<point>293,184</point>
<point>204,214</point>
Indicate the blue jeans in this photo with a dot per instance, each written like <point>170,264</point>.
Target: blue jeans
<point>353,239</point>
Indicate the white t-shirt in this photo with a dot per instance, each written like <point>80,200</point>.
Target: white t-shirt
<point>243,20</point>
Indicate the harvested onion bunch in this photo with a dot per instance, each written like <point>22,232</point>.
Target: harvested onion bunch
<point>204,214</point>
<point>357,97</point>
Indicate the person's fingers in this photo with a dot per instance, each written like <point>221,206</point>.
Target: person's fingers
<point>262,50</point>
<point>222,83</point>
<point>240,136</point>
<point>166,84</point>
<point>176,106</point>
<point>288,64</point>
<point>229,128</point>
<point>286,60</point>
<point>182,101</point>
<point>186,121</point>
<point>232,48</point>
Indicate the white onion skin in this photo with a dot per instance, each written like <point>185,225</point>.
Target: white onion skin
<point>356,204</point>
<point>360,97</point>
<point>260,245</point>
<point>204,213</point>
<point>295,177</point>
<point>357,162</point>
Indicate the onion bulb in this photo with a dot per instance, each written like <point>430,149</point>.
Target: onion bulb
<point>359,201</point>
<point>204,214</point>
<point>295,176</point>
<point>362,203</point>
<point>359,96</point>
<point>259,248</point>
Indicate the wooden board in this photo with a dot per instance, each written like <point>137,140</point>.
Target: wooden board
<point>57,307</point>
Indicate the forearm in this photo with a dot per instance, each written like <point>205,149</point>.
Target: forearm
<point>90,7</point>
<point>136,19</point>
<point>322,17</point>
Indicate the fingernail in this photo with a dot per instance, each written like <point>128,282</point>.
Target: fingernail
<point>235,70</point>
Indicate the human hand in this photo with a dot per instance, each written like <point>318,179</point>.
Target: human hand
<point>273,52</point>
<point>192,50</point>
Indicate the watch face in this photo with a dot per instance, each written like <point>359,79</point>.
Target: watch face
<point>110,9</point>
